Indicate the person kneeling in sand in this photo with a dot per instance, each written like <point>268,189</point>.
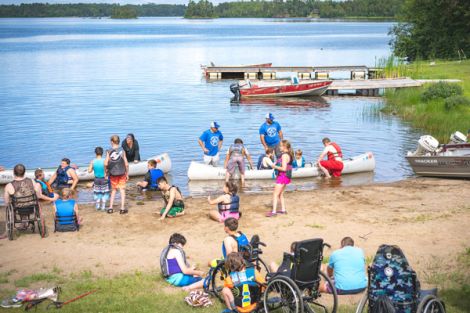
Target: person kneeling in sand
<point>174,205</point>
<point>174,266</point>
<point>347,267</point>
<point>228,204</point>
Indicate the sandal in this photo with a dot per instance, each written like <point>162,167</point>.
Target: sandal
<point>110,211</point>
<point>271,214</point>
<point>125,211</point>
<point>282,212</point>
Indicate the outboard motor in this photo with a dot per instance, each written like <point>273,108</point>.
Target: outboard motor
<point>426,144</point>
<point>458,138</point>
<point>235,89</point>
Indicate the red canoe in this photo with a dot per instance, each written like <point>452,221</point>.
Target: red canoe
<point>279,88</point>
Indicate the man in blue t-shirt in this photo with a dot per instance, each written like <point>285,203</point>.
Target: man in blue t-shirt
<point>270,134</point>
<point>347,267</point>
<point>211,143</point>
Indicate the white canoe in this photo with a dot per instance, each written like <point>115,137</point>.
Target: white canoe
<point>135,169</point>
<point>361,163</point>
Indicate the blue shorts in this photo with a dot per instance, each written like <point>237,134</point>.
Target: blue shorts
<point>181,280</point>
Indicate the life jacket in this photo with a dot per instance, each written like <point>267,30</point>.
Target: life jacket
<point>260,165</point>
<point>24,194</point>
<point>391,275</point>
<point>236,149</point>
<point>246,289</point>
<point>243,245</point>
<point>296,164</point>
<point>333,156</point>
<point>232,207</point>
<point>177,202</point>
<point>289,166</point>
<point>164,259</point>
<point>116,164</point>
<point>155,174</point>
<point>46,189</point>
<point>62,177</point>
<point>65,211</point>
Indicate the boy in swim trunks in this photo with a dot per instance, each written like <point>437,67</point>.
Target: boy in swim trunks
<point>174,205</point>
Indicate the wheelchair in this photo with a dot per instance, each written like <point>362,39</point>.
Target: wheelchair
<point>20,211</point>
<point>391,279</point>
<point>296,290</point>
<point>215,280</point>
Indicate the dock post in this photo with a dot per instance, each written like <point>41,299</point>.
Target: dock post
<point>215,75</point>
<point>304,76</point>
<point>322,75</point>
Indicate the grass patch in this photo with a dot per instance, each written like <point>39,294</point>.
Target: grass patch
<point>35,278</point>
<point>318,226</point>
<point>4,277</point>
<point>432,116</point>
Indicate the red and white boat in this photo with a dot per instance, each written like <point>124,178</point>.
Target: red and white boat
<point>279,88</point>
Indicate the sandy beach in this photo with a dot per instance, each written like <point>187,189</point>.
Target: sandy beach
<point>428,218</point>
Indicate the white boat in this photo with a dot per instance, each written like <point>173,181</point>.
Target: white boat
<point>135,169</point>
<point>361,163</point>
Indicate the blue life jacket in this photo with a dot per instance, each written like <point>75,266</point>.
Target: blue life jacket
<point>242,243</point>
<point>155,174</point>
<point>44,188</point>
<point>62,177</point>
<point>248,292</point>
<point>260,163</point>
<point>64,211</point>
<point>233,206</point>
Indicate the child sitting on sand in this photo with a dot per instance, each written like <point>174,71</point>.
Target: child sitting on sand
<point>242,287</point>
<point>66,207</point>
<point>174,266</point>
<point>299,160</point>
<point>228,204</point>
<point>265,161</point>
<point>174,205</point>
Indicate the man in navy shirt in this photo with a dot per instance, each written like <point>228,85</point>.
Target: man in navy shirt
<point>270,134</point>
<point>211,142</point>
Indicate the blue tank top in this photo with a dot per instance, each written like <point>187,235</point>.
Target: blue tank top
<point>98,168</point>
<point>64,210</point>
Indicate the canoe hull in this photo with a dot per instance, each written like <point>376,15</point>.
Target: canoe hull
<point>361,163</point>
<point>135,169</point>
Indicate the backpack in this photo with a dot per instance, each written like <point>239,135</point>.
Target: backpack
<point>116,165</point>
<point>391,276</point>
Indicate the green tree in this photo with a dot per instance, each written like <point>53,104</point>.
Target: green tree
<point>433,29</point>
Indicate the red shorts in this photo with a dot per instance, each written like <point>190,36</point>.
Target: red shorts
<point>333,166</point>
<point>118,182</point>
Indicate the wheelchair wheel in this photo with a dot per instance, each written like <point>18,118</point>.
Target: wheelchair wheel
<point>282,295</point>
<point>431,304</point>
<point>326,302</point>
<point>362,304</point>
<point>262,267</point>
<point>217,280</point>
<point>40,220</point>
<point>10,222</point>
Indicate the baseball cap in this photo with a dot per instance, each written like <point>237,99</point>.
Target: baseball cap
<point>270,116</point>
<point>215,125</point>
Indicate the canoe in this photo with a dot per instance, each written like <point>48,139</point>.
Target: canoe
<point>361,163</point>
<point>135,169</point>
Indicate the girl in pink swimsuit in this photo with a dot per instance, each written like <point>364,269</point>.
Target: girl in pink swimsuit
<point>283,168</point>
<point>228,205</point>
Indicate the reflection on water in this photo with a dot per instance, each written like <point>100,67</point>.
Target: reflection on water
<point>66,85</point>
<point>309,102</point>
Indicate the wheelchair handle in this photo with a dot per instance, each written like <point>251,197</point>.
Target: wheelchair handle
<point>326,245</point>
<point>262,244</point>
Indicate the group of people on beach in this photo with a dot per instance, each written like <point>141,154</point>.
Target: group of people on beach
<point>278,155</point>
<point>346,266</point>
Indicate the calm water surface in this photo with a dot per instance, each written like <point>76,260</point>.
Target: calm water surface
<point>66,85</point>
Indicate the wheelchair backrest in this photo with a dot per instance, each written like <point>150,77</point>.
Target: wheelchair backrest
<point>308,256</point>
<point>391,275</point>
<point>24,201</point>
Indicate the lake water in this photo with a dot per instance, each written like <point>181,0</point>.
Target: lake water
<point>67,84</point>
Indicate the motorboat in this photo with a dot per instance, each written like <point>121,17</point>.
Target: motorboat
<point>361,163</point>
<point>279,88</point>
<point>435,160</point>
<point>135,169</point>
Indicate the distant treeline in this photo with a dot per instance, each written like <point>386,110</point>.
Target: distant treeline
<point>89,10</point>
<point>296,8</point>
<point>205,9</point>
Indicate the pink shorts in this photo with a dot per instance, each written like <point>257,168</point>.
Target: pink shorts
<point>226,214</point>
<point>282,179</point>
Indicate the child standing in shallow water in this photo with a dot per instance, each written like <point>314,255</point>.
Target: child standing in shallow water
<point>101,183</point>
